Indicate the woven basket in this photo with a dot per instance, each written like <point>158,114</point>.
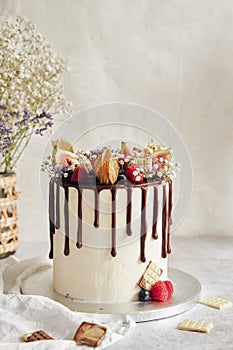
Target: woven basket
<point>8,215</point>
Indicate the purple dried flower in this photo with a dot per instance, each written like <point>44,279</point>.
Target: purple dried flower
<point>58,170</point>
<point>4,129</point>
<point>26,116</point>
<point>96,152</point>
<point>5,143</point>
<point>16,129</point>
<point>47,114</point>
<point>35,119</point>
<point>40,131</point>
<point>49,124</point>
<point>20,122</point>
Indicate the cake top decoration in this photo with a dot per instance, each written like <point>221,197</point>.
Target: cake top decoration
<point>110,166</point>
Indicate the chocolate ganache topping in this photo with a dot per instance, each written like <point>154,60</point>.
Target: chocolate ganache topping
<point>149,168</point>
<point>54,213</point>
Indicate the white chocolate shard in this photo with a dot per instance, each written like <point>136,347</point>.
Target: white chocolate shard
<point>151,275</point>
<point>196,326</point>
<point>215,302</point>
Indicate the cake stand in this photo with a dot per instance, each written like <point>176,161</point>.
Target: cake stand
<point>187,292</point>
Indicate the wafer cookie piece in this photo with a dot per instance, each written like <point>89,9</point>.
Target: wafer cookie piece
<point>196,326</point>
<point>38,335</point>
<point>150,276</point>
<point>90,334</point>
<point>215,302</point>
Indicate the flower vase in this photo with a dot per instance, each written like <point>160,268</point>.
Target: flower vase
<point>8,215</point>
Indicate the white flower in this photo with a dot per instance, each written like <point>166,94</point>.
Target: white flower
<point>28,66</point>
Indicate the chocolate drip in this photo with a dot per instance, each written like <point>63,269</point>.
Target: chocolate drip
<point>129,211</point>
<point>66,213</point>
<point>113,251</point>
<point>155,214</point>
<point>170,203</point>
<point>97,213</point>
<point>166,214</point>
<point>169,218</point>
<point>79,234</point>
<point>51,217</point>
<point>168,239</point>
<point>58,207</point>
<point>143,224</point>
<point>164,223</point>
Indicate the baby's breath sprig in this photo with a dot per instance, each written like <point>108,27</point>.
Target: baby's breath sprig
<point>53,170</point>
<point>31,88</point>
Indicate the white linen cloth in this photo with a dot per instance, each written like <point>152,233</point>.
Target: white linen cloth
<point>20,314</point>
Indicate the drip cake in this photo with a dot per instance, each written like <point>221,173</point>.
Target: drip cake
<point>110,215</point>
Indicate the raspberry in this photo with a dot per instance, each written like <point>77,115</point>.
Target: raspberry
<point>159,291</point>
<point>133,174</point>
<point>170,288</point>
<point>79,174</point>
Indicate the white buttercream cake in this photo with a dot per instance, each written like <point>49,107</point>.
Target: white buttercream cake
<point>110,215</point>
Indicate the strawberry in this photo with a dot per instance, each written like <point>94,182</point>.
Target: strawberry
<point>170,288</point>
<point>159,291</point>
<point>79,175</point>
<point>133,174</point>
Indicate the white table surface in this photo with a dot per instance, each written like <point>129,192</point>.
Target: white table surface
<point>210,260</point>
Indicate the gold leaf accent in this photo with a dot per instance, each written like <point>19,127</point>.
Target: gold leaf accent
<point>63,144</point>
<point>106,167</point>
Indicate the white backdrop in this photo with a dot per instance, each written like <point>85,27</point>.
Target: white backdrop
<point>173,56</point>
